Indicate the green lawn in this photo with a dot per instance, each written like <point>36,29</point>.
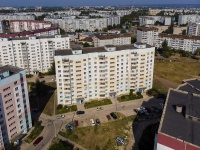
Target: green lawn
<point>35,132</point>
<point>183,68</point>
<point>124,98</point>
<point>58,144</point>
<point>66,109</point>
<point>101,137</point>
<point>96,103</point>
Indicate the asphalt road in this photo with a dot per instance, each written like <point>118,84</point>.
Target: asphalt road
<point>50,78</point>
<point>53,125</point>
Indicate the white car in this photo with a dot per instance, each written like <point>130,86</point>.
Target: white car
<point>92,122</point>
<point>60,116</point>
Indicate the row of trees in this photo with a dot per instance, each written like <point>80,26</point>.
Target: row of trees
<point>167,51</point>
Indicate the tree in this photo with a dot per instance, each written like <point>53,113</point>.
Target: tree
<point>158,23</point>
<point>131,93</point>
<point>40,88</point>
<point>11,146</point>
<point>184,32</point>
<point>105,29</point>
<point>96,30</point>
<point>171,28</point>
<point>41,17</point>
<point>86,44</point>
<point>165,45</point>
<point>197,52</point>
<point>123,31</point>
<point>62,32</point>
<point>133,39</point>
<point>52,71</point>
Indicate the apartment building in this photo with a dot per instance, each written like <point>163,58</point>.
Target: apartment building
<point>148,35</point>
<point>15,115</point>
<point>184,19</point>
<point>103,72</point>
<point>122,13</point>
<point>193,29</point>
<point>71,24</point>
<point>40,32</point>
<point>151,20</point>
<point>4,26</point>
<point>180,121</point>
<point>16,17</point>
<point>153,12</point>
<point>111,39</point>
<point>28,25</point>
<point>180,42</point>
<point>35,54</point>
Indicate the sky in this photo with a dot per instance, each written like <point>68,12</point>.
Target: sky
<point>4,3</point>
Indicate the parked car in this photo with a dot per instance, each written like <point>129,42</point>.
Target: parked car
<point>97,121</point>
<point>38,140</point>
<point>76,123</point>
<point>113,115</point>
<point>35,110</point>
<point>80,112</point>
<point>108,117</point>
<point>120,140</point>
<point>99,108</point>
<point>70,127</point>
<point>60,116</point>
<point>41,77</point>
<point>92,122</point>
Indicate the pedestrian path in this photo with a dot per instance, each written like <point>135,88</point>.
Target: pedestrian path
<point>80,107</point>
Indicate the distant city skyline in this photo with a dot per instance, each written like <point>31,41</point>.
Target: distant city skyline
<point>13,3</point>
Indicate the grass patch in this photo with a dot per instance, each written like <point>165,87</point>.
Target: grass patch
<point>35,132</point>
<point>96,103</point>
<point>183,68</point>
<point>103,136</point>
<point>58,144</point>
<point>124,98</point>
<point>66,109</point>
<point>50,106</point>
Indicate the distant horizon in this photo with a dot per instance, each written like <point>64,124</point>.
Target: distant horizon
<point>76,3</point>
<point>103,5</point>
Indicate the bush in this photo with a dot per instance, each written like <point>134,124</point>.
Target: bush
<point>152,92</point>
<point>29,75</point>
<point>60,106</point>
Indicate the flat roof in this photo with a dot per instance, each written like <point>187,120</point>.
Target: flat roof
<point>96,49</point>
<point>11,69</point>
<point>37,37</point>
<point>111,36</point>
<point>176,124</point>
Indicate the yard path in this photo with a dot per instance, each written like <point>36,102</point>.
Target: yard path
<point>166,83</point>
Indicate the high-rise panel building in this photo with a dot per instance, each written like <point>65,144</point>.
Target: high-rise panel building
<point>15,115</point>
<point>103,72</point>
<point>35,54</point>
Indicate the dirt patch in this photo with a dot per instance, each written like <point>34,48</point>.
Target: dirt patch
<point>166,83</point>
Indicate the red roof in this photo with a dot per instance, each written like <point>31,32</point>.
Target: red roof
<point>174,143</point>
<point>25,33</point>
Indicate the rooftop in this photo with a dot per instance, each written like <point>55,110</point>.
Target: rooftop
<point>37,37</point>
<point>96,49</point>
<point>148,29</point>
<point>8,68</point>
<point>111,36</point>
<point>184,125</point>
<point>179,36</point>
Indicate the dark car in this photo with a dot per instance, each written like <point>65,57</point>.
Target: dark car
<point>38,140</point>
<point>80,112</point>
<point>41,77</point>
<point>76,123</point>
<point>70,127</point>
<point>113,115</point>
<point>97,121</point>
<point>108,117</point>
